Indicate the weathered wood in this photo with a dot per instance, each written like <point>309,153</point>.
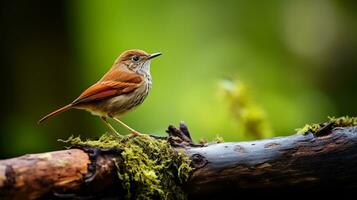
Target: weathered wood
<point>55,173</point>
<point>297,161</point>
<point>31,176</point>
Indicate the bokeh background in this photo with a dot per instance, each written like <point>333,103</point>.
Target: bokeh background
<point>296,59</point>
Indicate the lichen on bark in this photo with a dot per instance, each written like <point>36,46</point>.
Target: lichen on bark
<point>152,169</point>
<point>344,121</point>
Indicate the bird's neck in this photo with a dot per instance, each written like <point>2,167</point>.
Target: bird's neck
<point>145,71</point>
<point>147,77</point>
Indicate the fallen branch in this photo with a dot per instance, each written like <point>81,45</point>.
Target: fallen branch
<point>313,160</point>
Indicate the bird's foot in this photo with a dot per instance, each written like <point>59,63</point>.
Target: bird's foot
<point>135,133</point>
<point>116,134</point>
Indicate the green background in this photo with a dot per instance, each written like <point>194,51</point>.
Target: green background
<point>297,59</point>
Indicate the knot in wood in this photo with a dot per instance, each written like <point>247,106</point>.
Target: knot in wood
<point>198,161</point>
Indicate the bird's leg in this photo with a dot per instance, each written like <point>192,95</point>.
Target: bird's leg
<point>110,126</point>
<point>134,132</point>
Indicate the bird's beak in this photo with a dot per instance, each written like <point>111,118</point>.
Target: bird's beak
<point>154,55</point>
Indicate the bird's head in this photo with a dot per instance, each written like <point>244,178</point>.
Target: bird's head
<point>136,60</point>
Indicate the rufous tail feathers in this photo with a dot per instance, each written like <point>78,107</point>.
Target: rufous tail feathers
<point>56,112</point>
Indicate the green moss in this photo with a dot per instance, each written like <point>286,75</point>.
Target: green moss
<point>345,121</point>
<point>313,128</point>
<point>218,139</point>
<point>152,169</point>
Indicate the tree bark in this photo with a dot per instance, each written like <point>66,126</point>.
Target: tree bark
<point>296,161</point>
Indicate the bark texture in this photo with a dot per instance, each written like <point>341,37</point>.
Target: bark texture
<point>296,161</point>
<point>293,162</point>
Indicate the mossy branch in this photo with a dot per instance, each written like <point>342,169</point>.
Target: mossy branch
<point>174,167</point>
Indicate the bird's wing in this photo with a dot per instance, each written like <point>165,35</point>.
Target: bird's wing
<point>123,84</point>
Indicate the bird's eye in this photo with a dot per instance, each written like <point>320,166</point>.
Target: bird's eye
<point>135,58</point>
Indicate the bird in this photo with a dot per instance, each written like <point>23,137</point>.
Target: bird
<point>124,87</point>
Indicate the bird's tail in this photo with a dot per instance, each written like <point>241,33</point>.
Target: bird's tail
<point>56,112</point>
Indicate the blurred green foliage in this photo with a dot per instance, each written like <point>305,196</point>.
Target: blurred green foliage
<point>249,117</point>
<point>297,59</point>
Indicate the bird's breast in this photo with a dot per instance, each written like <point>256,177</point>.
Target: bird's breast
<point>119,105</point>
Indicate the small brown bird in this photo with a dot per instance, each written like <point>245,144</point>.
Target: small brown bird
<point>121,89</point>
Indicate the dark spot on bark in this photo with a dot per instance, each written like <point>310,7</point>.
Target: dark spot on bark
<point>44,182</point>
<point>325,129</point>
<point>9,182</point>
<point>198,161</point>
<point>91,168</point>
<point>240,149</point>
<point>271,145</point>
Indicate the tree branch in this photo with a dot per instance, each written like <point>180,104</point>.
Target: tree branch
<point>296,161</point>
